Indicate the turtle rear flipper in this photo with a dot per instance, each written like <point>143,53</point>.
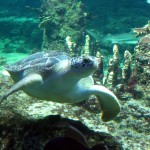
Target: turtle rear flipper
<point>21,84</point>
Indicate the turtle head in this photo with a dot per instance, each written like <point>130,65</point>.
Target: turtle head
<point>84,66</point>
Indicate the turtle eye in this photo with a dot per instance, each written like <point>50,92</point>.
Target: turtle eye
<point>86,60</point>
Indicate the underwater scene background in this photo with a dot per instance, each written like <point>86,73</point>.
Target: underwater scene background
<point>116,32</point>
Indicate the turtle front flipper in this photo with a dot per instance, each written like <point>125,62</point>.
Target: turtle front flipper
<point>21,84</point>
<point>109,103</point>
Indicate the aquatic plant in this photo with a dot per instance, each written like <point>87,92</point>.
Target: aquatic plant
<point>60,19</point>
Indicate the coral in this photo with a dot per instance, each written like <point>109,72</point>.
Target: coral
<point>142,31</point>
<point>135,74</point>
<point>60,19</point>
<point>71,46</point>
<point>116,53</point>
<point>126,70</point>
<point>86,47</point>
<point>142,63</point>
<point>114,70</point>
<point>99,73</point>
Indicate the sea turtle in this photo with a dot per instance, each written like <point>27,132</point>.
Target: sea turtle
<point>55,76</point>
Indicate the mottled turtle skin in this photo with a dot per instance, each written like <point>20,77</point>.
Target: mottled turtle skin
<point>55,76</point>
